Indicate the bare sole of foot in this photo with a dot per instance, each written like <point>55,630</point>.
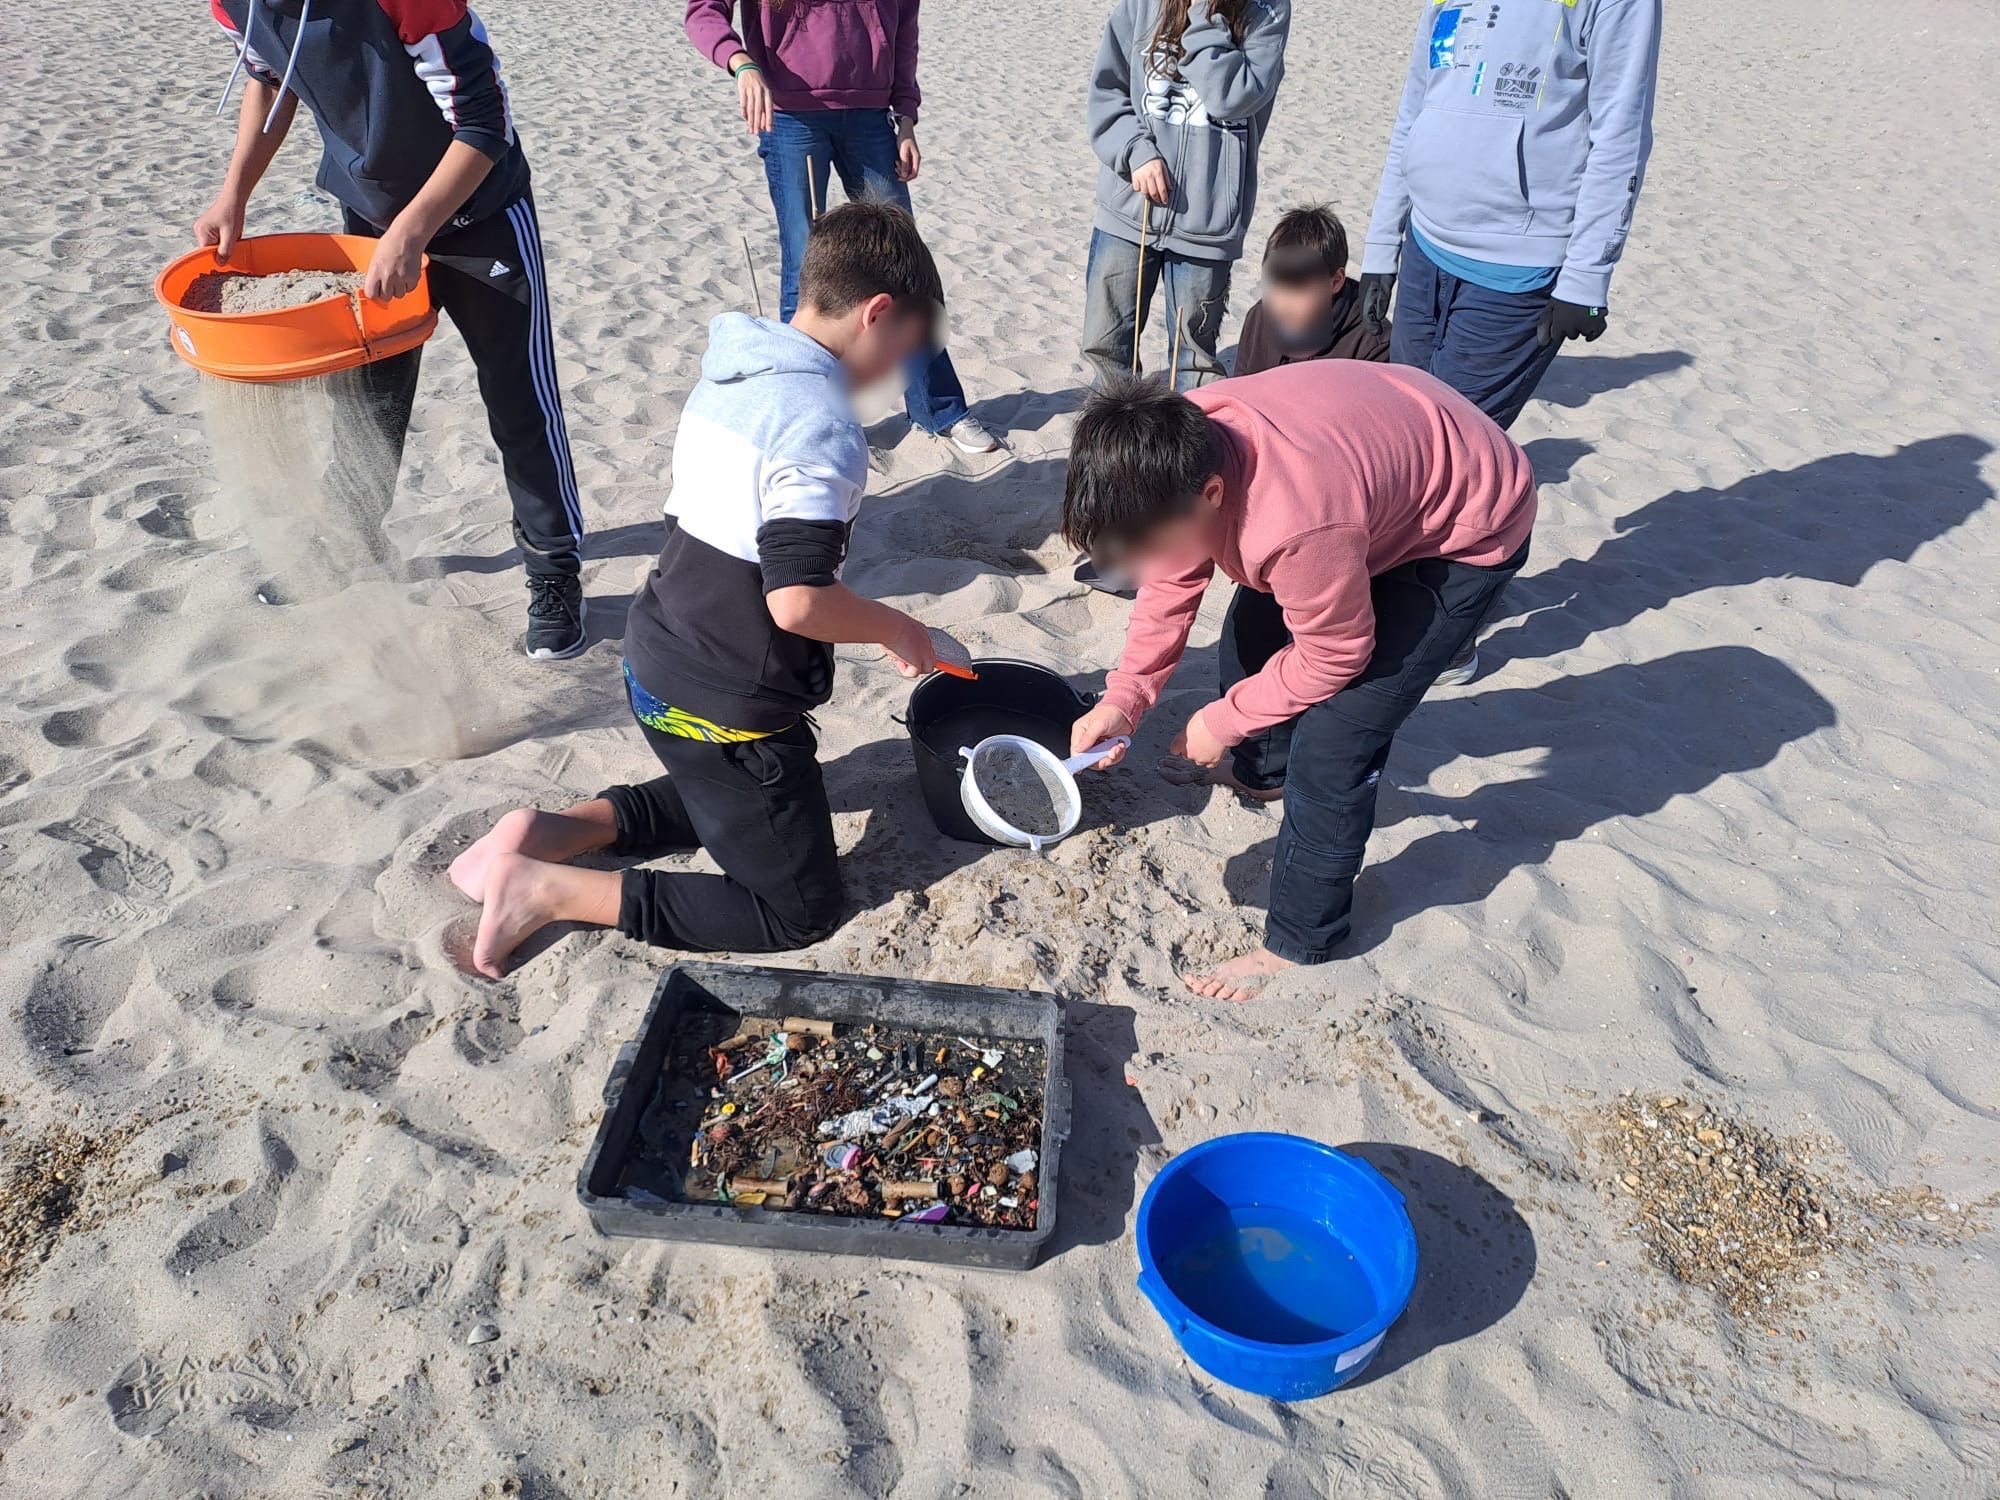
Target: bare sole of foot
<point>1241,978</point>
<point>518,903</point>
<point>1178,772</point>
<point>468,871</point>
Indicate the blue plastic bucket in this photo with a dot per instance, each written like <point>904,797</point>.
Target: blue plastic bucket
<point>1279,1263</point>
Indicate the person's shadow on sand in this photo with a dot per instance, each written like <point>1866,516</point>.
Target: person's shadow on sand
<point>1694,717</point>
<point>1831,520</point>
<point>1475,1253</point>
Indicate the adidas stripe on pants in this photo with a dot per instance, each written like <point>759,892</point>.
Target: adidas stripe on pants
<point>488,279</point>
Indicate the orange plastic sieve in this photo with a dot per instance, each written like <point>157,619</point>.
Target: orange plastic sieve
<point>291,343</point>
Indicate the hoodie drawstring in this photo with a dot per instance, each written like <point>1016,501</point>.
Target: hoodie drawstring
<point>243,58</point>
<point>291,62</point>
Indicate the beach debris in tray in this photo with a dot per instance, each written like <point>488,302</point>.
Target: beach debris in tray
<point>859,1120</point>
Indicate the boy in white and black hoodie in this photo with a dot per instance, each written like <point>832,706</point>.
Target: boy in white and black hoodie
<point>420,150</point>
<point>729,643</point>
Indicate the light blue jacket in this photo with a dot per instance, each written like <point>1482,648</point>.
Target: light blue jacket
<point>1522,136</point>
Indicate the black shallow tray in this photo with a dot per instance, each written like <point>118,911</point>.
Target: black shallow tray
<point>731,990</point>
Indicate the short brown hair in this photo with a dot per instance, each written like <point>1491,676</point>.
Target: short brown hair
<point>1307,244</point>
<point>1139,457</point>
<point>865,249</point>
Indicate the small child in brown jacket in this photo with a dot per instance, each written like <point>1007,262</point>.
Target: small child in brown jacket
<point>1310,309</point>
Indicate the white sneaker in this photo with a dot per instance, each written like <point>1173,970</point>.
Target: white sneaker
<point>1458,674</point>
<point>970,435</point>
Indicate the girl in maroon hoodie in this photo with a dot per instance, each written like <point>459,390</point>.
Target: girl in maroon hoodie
<point>833,88</point>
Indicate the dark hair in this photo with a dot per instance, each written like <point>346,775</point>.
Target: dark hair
<point>1308,243</point>
<point>1163,53</point>
<point>864,249</point>
<point>1138,459</point>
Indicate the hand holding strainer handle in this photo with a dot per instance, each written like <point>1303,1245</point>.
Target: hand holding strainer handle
<point>1084,760</point>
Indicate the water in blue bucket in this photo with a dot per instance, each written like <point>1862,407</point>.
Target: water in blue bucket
<point>1278,1262</point>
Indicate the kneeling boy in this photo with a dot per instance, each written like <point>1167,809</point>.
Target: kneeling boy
<point>729,641</point>
<point>1368,515</point>
<point>1310,309</point>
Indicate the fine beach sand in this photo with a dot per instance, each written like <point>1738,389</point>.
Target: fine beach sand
<point>1719,819</point>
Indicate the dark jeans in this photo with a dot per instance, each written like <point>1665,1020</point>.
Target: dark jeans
<point>1478,341</point>
<point>1330,757</point>
<point>759,808</point>
<point>488,279</point>
<point>859,144</point>
<point>1113,300</point>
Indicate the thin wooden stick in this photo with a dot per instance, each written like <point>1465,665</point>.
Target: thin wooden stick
<point>812,188</point>
<point>751,261</point>
<point>1174,364</point>
<point>1139,286</point>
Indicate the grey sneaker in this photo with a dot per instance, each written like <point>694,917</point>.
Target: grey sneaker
<point>970,435</point>
<point>555,617</point>
<point>1459,673</point>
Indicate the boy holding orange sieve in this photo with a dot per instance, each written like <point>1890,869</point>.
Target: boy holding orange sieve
<point>420,150</point>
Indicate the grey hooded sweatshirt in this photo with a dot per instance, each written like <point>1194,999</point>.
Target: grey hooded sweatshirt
<point>1522,136</point>
<point>1205,125</point>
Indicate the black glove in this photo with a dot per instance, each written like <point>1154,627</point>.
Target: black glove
<point>1568,320</point>
<point>1376,289</point>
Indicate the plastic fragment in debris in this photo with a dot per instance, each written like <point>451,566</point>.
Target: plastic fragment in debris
<point>1022,1161</point>
<point>1010,1202</point>
<point>876,1118</point>
<point>841,1155</point>
<point>937,1213</point>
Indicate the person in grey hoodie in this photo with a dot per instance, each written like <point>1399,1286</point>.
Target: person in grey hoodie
<point>1179,99</point>
<point>1512,172</point>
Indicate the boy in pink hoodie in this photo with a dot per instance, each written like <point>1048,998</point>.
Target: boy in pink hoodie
<point>832,88</point>
<point>1368,515</point>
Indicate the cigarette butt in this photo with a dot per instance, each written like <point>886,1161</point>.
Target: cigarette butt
<point>767,1185</point>
<point>897,1191</point>
<point>808,1025</point>
<point>749,1029</point>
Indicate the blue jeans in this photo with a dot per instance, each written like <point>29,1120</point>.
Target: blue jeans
<point>1478,341</point>
<point>1330,758</point>
<point>859,144</point>
<point>1115,306</point>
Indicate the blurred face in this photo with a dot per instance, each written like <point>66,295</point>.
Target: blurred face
<point>1174,545</point>
<point>1300,308</point>
<point>883,337</point>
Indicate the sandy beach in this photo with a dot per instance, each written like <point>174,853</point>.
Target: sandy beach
<point>1719,821</point>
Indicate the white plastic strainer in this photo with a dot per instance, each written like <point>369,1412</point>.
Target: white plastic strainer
<point>1007,769</point>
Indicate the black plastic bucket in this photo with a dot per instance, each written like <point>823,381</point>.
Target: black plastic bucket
<point>948,714</point>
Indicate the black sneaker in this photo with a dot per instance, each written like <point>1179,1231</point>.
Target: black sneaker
<point>555,617</point>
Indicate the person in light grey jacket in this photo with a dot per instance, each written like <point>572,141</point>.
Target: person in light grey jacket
<point>1512,173</point>
<point>1180,95</point>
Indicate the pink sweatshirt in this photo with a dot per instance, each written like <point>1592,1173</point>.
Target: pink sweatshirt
<point>1336,470</point>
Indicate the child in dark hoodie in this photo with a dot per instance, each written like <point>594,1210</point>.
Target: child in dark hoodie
<point>420,151</point>
<point>1310,309</point>
<point>1179,100</point>
<point>729,641</point>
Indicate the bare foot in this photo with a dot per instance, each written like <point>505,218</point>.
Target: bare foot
<point>519,902</point>
<point>1241,978</point>
<point>524,895</point>
<point>550,837</point>
<point>1181,772</point>
<point>468,871</point>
